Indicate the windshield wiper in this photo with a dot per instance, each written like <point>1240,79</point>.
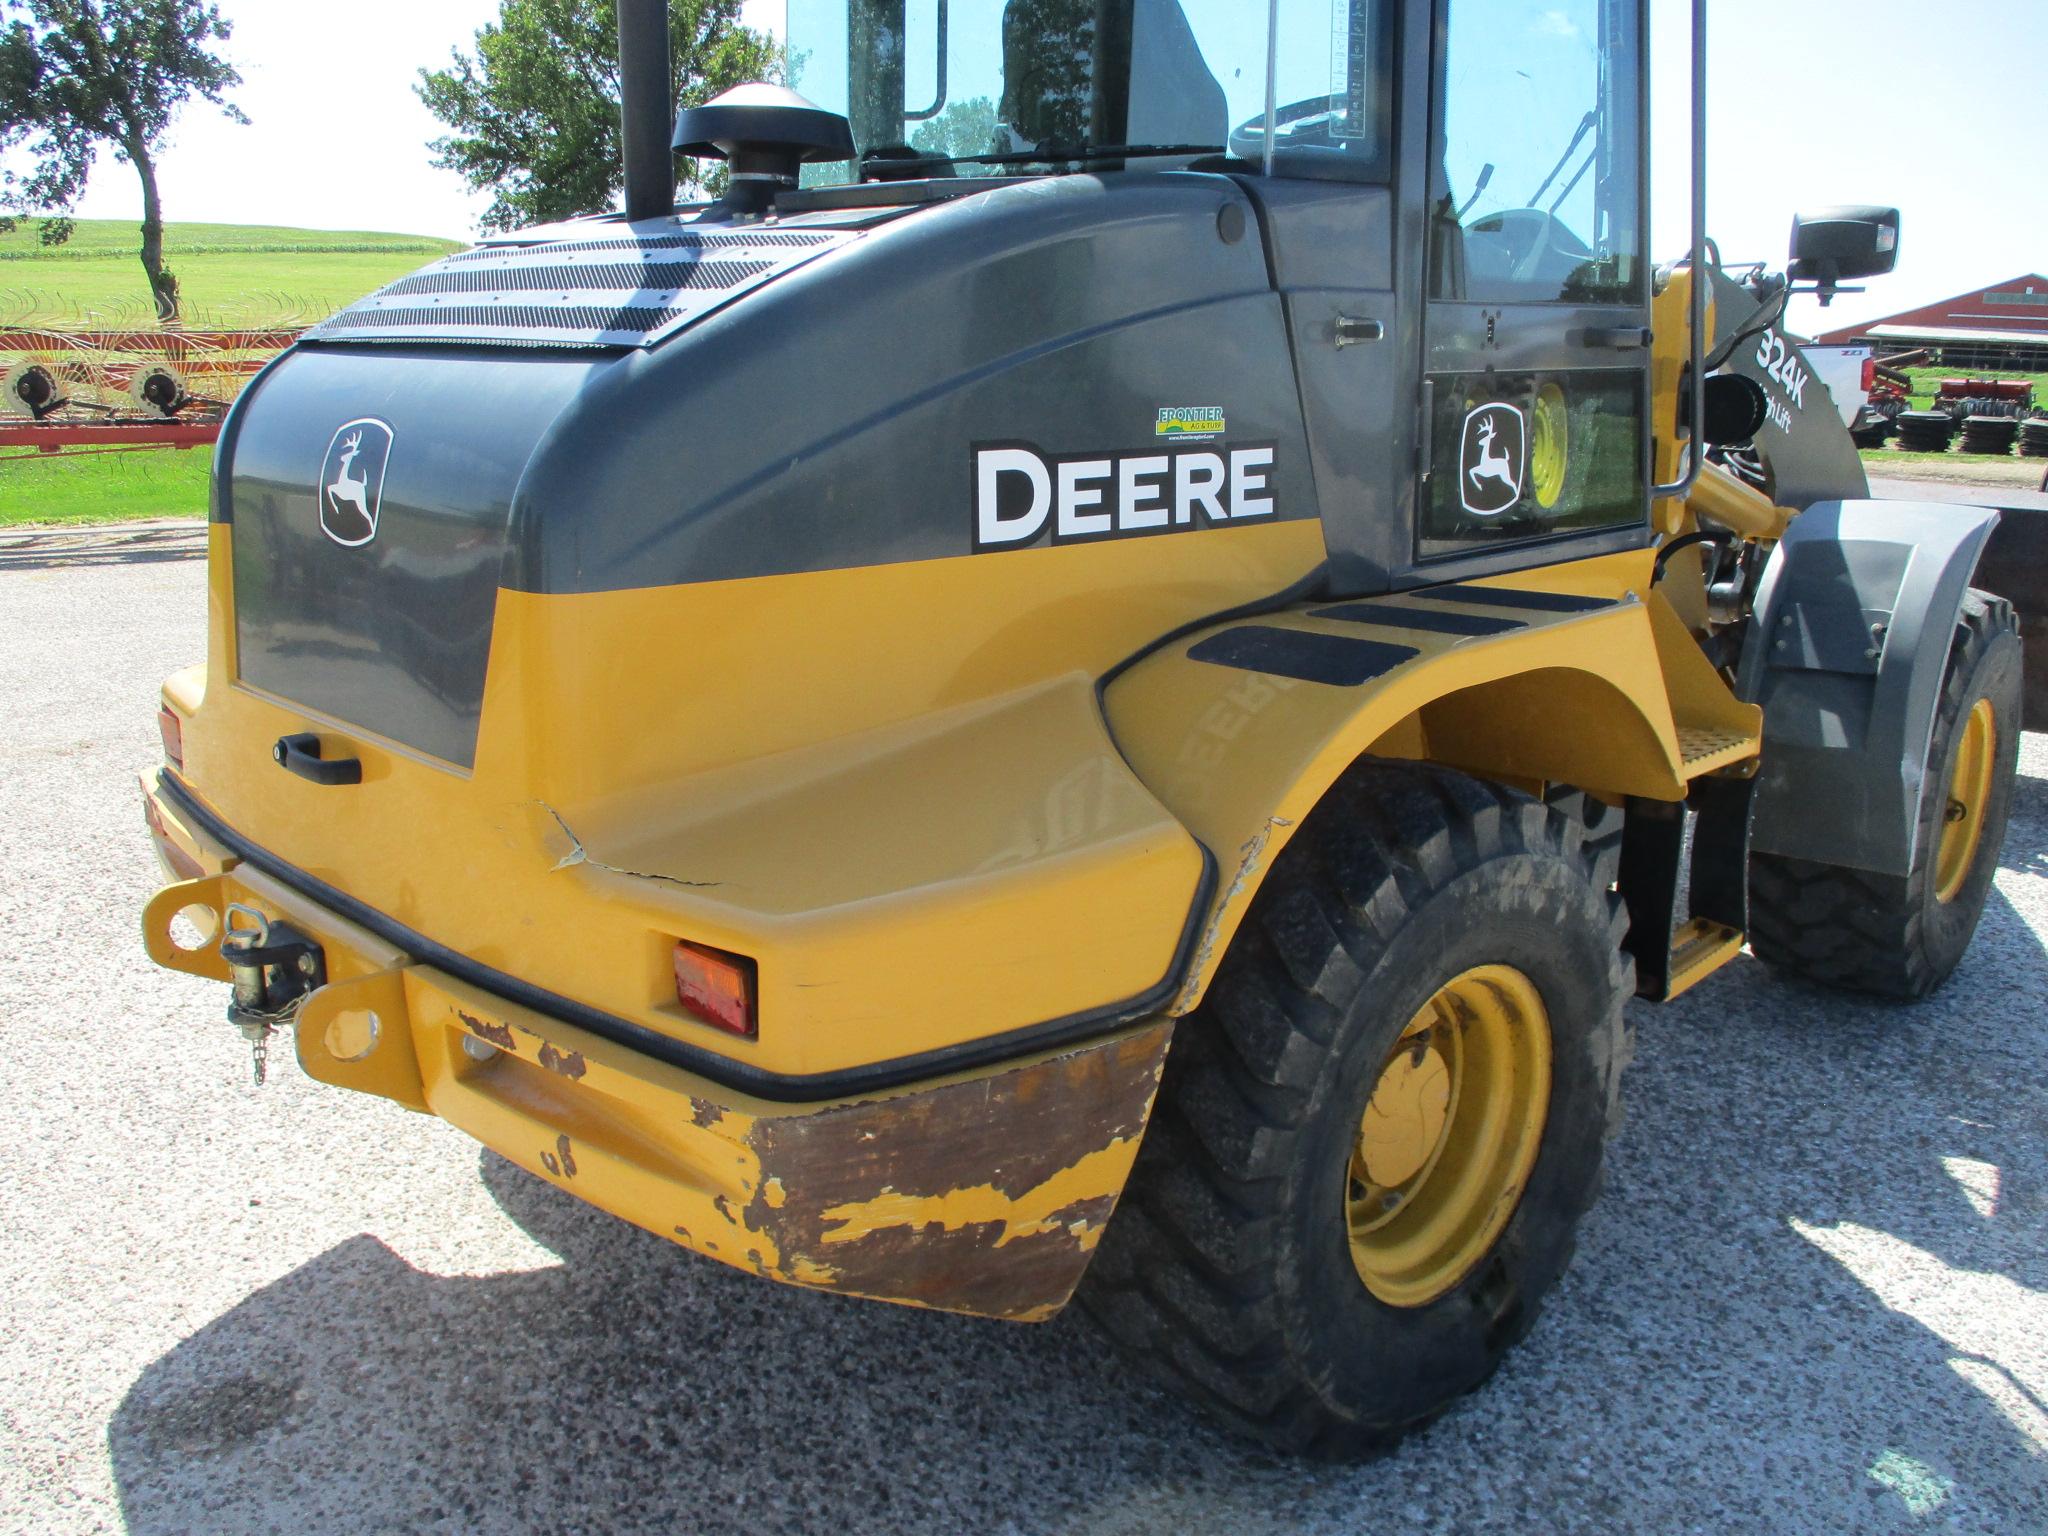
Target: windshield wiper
<point>1049,153</point>
<point>1586,126</point>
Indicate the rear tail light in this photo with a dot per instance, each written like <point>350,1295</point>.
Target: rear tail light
<point>717,987</point>
<point>1869,374</point>
<point>172,729</point>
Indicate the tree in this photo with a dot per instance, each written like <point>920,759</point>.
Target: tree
<point>962,128</point>
<point>535,111</point>
<point>79,74</point>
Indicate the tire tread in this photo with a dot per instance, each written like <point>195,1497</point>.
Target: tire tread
<point>1855,930</point>
<point>1178,1281</point>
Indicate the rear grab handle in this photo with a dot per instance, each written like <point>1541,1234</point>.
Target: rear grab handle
<point>300,754</point>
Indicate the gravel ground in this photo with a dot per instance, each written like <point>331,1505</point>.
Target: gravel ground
<point>1815,1296</point>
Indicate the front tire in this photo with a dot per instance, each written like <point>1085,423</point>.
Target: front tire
<point>1901,937</point>
<point>1445,954</point>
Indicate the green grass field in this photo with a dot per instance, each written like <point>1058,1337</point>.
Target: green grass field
<point>104,487</point>
<point>231,274</point>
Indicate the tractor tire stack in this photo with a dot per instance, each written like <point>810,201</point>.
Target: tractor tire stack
<point>1925,431</point>
<point>1986,405</point>
<point>2034,438</point>
<point>1992,435</point>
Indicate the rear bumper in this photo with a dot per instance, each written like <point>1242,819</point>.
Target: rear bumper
<point>981,1192</point>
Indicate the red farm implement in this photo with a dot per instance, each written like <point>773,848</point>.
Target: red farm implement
<point>116,391</point>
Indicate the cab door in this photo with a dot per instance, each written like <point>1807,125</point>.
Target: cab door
<point>1536,287</point>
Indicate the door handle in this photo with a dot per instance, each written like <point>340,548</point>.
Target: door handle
<point>1616,338</point>
<point>1425,447</point>
<point>300,754</point>
<point>1355,330</point>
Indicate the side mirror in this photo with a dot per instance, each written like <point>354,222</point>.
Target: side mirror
<point>1831,246</point>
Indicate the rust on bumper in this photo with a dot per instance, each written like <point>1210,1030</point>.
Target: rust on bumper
<point>985,1195</point>
<point>983,1192</point>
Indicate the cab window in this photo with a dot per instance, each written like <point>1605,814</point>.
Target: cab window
<point>1035,83</point>
<point>1537,195</point>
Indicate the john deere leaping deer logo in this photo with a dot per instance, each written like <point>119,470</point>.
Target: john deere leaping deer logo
<point>352,481</point>
<point>1492,459</point>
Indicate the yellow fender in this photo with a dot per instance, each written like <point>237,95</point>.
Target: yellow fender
<point>1587,678</point>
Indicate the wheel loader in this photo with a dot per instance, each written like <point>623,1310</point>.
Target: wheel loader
<point>1100,679</point>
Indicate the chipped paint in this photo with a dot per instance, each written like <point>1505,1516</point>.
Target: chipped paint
<point>1036,1211</point>
<point>985,1194</point>
<point>869,1198</point>
<point>564,1063</point>
<point>704,1114</point>
<point>499,1035</point>
<point>1249,859</point>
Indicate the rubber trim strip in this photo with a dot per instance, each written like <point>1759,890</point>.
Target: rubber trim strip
<point>777,1087</point>
<point>1515,597</point>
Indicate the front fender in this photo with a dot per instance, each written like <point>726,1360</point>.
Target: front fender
<point>1846,653</point>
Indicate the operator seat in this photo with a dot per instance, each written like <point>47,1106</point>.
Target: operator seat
<point>1110,71</point>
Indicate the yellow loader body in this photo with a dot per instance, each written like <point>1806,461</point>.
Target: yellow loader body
<point>931,854</point>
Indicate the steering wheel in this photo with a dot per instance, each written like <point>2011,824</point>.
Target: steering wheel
<point>1304,122</point>
<point>1528,235</point>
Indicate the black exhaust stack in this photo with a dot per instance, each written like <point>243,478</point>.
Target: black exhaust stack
<point>646,109</point>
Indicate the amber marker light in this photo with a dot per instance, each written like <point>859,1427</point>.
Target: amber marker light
<point>172,729</point>
<point>716,987</point>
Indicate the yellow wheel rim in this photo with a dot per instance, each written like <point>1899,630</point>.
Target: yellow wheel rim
<point>1549,452</point>
<point>1448,1139</point>
<point>1969,791</point>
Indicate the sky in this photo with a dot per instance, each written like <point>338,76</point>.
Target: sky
<point>1882,101</point>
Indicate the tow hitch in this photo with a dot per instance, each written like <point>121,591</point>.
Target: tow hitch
<point>274,969</point>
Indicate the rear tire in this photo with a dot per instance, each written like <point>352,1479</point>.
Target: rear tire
<point>1231,1266</point>
<point>1902,937</point>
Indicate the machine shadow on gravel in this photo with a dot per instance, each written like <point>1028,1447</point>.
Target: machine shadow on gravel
<point>1746,1369</point>
<point>2026,842</point>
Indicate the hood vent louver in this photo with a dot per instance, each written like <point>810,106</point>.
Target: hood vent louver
<point>578,293</point>
<point>692,240</point>
<point>619,277</point>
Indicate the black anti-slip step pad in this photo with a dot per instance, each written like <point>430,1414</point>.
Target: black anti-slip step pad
<point>1436,623</point>
<point>1337,660</point>
<point>1515,597</point>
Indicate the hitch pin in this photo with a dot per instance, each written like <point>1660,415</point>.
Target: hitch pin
<point>249,1011</point>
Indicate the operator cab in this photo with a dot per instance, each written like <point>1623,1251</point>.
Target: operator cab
<point>1451,193</point>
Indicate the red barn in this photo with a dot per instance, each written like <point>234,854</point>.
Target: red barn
<point>2003,326</point>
